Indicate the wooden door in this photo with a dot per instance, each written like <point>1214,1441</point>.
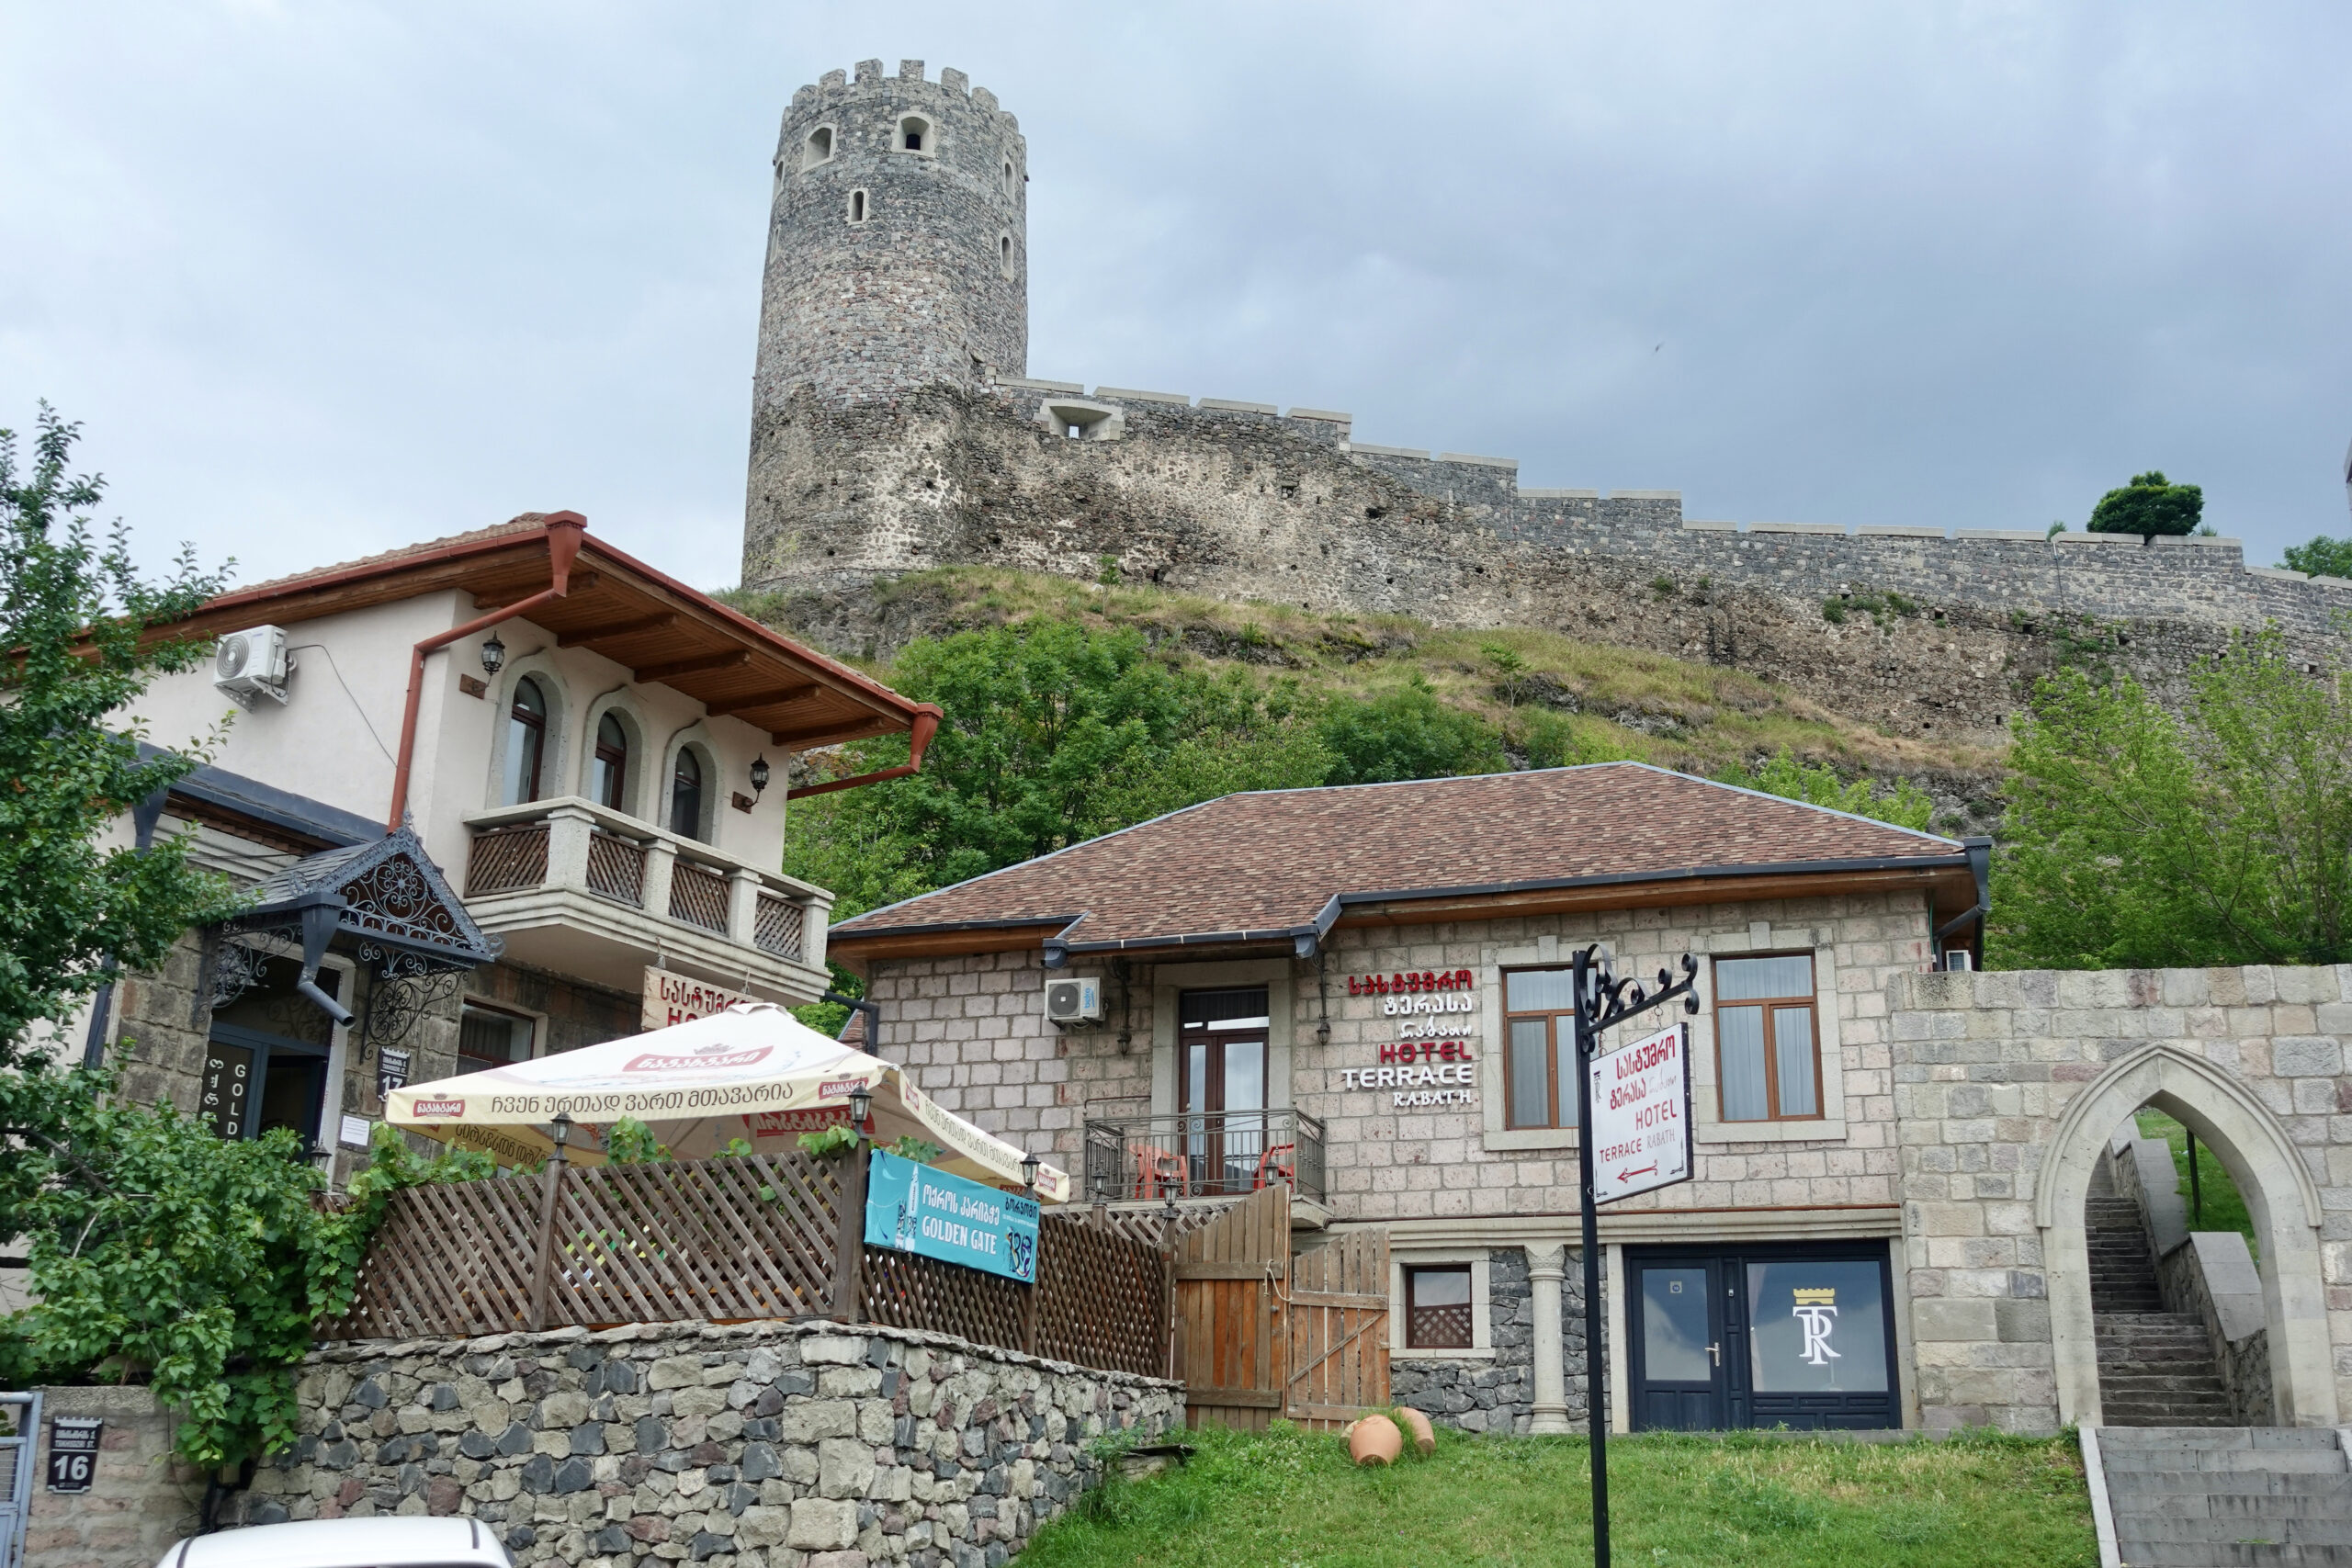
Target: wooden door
<point>1230,1350</point>
<point>1337,1331</point>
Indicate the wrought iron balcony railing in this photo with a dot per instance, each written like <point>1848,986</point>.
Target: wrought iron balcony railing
<point>1224,1154</point>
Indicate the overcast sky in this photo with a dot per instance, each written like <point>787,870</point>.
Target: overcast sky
<point>326,277</point>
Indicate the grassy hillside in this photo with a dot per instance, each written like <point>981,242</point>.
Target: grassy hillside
<point>1289,1499</point>
<point>1538,689</point>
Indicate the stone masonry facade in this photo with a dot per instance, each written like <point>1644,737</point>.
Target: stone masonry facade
<point>141,1500</point>
<point>1985,1067</point>
<point>973,1031</point>
<point>769,1445</point>
<point>1497,1395</point>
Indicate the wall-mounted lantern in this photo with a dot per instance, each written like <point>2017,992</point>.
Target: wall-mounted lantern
<point>493,655</point>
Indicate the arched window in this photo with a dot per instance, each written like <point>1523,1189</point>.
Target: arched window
<point>526,741</point>
<point>1008,176</point>
<point>1004,255</point>
<point>818,148</point>
<point>608,774</point>
<point>857,207</point>
<point>914,135</point>
<point>686,795</point>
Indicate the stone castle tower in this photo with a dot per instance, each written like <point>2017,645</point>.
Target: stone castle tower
<point>896,428</point>
<point>897,245</point>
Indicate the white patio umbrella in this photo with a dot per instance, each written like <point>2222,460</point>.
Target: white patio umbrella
<point>753,1072</point>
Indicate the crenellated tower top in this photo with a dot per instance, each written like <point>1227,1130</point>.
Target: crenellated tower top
<point>898,253</point>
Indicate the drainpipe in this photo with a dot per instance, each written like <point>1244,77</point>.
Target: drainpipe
<point>873,1012</point>
<point>927,719</point>
<point>1980,863</point>
<point>565,531</point>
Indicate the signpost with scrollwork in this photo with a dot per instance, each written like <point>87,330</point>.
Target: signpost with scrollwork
<point>1604,1001</point>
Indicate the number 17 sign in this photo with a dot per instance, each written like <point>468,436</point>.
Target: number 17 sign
<point>1641,1116</point>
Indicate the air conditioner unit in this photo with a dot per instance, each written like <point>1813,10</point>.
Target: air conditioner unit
<point>1075,1001</point>
<point>1958,958</point>
<point>253,663</point>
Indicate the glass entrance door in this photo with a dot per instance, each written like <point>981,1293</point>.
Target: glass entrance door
<point>1764,1335</point>
<point>1221,1088</point>
<point>1678,1363</point>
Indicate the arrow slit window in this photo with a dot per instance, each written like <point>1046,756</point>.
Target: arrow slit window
<point>1540,1047</point>
<point>1767,1054</point>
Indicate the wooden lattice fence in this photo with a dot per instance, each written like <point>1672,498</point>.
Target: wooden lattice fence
<point>729,1240</point>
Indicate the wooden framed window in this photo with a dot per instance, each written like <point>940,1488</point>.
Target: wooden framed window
<point>1767,1049</point>
<point>526,740</point>
<point>685,794</point>
<point>1437,1307</point>
<point>608,774</point>
<point>1539,1048</point>
<point>488,1038</point>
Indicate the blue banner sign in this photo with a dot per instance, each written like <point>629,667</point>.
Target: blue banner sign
<point>913,1208</point>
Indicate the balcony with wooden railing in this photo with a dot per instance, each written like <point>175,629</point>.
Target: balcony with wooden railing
<point>576,887</point>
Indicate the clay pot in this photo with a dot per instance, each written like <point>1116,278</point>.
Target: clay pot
<point>1375,1440</point>
<point>1424,1436</point>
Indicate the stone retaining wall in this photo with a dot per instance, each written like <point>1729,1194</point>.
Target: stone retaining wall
<point>767,1445</point>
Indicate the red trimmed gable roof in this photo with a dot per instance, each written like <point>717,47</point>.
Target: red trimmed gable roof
<point>1266,866</point>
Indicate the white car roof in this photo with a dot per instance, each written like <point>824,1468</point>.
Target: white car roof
<point>403,1542</point>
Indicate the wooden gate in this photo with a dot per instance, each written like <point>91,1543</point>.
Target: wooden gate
<point>1259,1335</point>
<point>1227,1336</point>
<point>1337,1331</point>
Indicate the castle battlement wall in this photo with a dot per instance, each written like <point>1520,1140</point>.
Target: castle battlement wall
<point>896,429</point>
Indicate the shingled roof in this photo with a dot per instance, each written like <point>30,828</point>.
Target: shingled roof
<point>1291,863</point>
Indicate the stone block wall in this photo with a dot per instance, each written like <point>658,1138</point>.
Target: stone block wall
<point>1236,503</point>
<point>1498,1393</point>
<point>973,1031</point>
<point>1987,1068</point>
<point>772,1445</point>
<point>141,1500</point>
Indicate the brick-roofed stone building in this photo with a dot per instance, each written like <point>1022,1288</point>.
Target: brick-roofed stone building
<point>1361,991</point>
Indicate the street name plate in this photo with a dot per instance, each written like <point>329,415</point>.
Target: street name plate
<point>1641,1116</point>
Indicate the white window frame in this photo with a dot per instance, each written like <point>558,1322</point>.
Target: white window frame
<point>1482,1327</point>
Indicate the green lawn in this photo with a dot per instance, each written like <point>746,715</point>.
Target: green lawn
<point>2223,1210</point>
<point>1290,1499</point>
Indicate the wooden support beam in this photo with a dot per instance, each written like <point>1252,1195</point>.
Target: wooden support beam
<point>849,1261</point>
<point>801,740</point>
<point>618,630</point>
<point>726,661</point>
<point>726,706</point>
<point>485,599</point>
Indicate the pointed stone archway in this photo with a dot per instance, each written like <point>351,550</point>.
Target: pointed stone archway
<point>2271,1176</point>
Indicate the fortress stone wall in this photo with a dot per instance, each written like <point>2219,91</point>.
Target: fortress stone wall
<point>895,429</point>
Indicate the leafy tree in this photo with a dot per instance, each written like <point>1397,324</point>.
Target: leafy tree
<point>76,619</point>
<point>1407,733</point>
<point>2149,504</point>
<point>1905,806</point>
<point>2218,835</point>
<point>1055,733</point>
<point>163,1253</point>
<point>2322,557</point>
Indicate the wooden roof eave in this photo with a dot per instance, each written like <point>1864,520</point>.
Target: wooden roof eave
<point>509,567</point>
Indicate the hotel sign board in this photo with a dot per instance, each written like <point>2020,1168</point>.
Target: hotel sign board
<point>671,998</point>
<point>1641,1115</point>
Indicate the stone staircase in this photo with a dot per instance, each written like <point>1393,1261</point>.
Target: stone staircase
<point>2205,1496</point>
<point>2155,1367</point>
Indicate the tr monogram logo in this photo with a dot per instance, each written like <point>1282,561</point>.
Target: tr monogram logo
<point>1817,1310</point>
